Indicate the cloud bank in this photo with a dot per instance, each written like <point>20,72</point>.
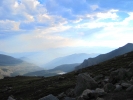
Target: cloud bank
<point>41,25</point>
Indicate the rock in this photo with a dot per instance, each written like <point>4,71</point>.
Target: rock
<point>11,98</point>
<point>68,98</point>
<point>98,77</point>
<point>109,87</point>
<point>61,95</point>
<point>49,97</point>
<point>130,72</point>
<point>118,88</point>
<point>86,94</point>
<point>117,75</point>
<point>125,85</point>
<point>130,89</point>
<point>70,93</point>
<point>131,80</point>
<point>106,80</point>
<point>99,98</point>
<point>100,92</point>
<point>84,81</point>
<point>91,94</point>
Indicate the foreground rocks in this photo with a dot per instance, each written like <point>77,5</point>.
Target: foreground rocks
<point>49,97</point>
<point>84,81</point>
<point>98,88</point>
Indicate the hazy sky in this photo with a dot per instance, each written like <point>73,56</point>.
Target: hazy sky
<point>65,26</point>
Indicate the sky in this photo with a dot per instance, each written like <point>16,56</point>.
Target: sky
<point>63,27</point>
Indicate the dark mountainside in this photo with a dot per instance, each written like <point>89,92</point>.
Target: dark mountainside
<point>103,57</point>
<point>8,60</point>
<point>109,80</point>
<point>65,67</point>
<point>56,71</point>
<point>70,59</point>
<point>10,66</point>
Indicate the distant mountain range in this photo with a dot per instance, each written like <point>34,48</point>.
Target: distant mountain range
<point>62,69</point>
<point>10,66</point>
<point>70,59</point>
<point>103,57</point>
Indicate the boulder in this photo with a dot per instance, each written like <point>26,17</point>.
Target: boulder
<point>118,75</point>
<point>125,85</point>
<point>68,98</point>
<point>100,92</point>
<point>84,81</point>
<point>49,97</point>
<point>91,94</point>
<point>86,94</point>
<point>61,95</point>
<point>118,88</point>
<point>99,98</point>
<point>70,93</point>
<point>11,98</point>
<point>130,89</point>
<point>98,77</point>
<point>109,87</point>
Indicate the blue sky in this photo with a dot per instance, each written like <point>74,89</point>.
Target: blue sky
<point>52,26</point>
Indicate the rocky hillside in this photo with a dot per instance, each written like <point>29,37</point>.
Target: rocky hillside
<point>109,80</point>
<point>10,66</point>
<point>103,57</point>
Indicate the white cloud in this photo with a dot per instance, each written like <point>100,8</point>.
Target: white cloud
<point>94,7</point>
<point>8,25</point>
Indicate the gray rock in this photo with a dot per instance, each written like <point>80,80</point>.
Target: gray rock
<point>92,94</point>
<point>68,98</point>
<point>86,94</point>
<point>84,81</point>
<point>109,87</point>
<point>98,77</point>
<point>49,97</point>
<point>99,98</point>
<point>118,88</point>
<point>117,75</point>
<point>131,80</point>
<point>130,89</point>
<point>70,93</point>
<point>100,92</point>
<point>125,85</point>
<point>11,98</point>
<point>61,95</point>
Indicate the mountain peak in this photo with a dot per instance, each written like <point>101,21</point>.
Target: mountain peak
<point>129,44</point>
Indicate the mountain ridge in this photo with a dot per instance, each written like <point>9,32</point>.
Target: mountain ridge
<point>70,59</point>
<point>103,57</point>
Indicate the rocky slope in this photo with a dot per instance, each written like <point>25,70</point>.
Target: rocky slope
<point>103,57</point>
<point>10,66</point>
<point>109,80</point>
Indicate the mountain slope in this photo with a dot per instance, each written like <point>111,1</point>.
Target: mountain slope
<point>34,88</point>
<point>93,61</point>
<point>65,67</point>
<point>16,66</point>
<point>8,60</point>
<point>70,59</point>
